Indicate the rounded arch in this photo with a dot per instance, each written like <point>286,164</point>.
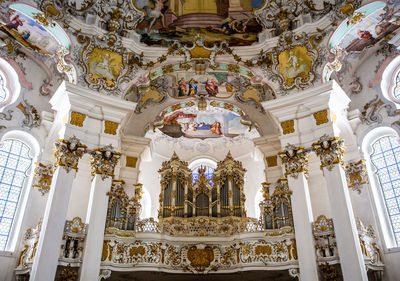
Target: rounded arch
<point>383,180</point>
<point>25,137</point>
<point>19,150</point>
<point>389,83</point>
<point>11,83</point>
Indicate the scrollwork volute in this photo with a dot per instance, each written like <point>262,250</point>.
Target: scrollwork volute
<point>295,160</point>
<point>68,152</point>
<point>103,161</point>
<point>43,177</point>
<point>330,150</point>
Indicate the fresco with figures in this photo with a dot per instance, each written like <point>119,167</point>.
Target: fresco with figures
<point>366,27</point>
<point>216,20</point>
<point>30,28</point>
<point>212,84</point>
<point>211,123</point>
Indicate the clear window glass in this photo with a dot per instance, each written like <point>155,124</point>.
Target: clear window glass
<point>386,159</point>
<point>14,164</point>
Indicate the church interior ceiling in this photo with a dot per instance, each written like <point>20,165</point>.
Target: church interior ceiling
<point>163,53</point>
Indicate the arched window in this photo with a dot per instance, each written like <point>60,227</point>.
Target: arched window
<point>386,160</point>
<point>383,148</point>
<point>15,162</point>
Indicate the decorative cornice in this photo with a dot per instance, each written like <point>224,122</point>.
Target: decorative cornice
<point>356,173</point>
<point>43,177</point>
<point>68,152</point>
<point>330,150</point>
<point>103,161</point>
<point>295,160</point>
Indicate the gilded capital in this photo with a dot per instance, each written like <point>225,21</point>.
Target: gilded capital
<point>68,152</point>
<point>330,150</point>
<point>295,160</point>
<point>43,177</point>
<point>103,161</point>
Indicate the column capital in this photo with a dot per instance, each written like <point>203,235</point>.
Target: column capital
<point>68,152</point>
<point>295,160</point>
<point>330,150</point>
<point>103,161</point>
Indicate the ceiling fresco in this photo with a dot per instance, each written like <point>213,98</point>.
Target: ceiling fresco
<point>215,20</point>
<point>366,27</point>
<point>214,120</point>
<point>29,27</point>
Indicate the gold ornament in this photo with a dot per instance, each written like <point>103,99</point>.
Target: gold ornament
<point>103,161</point>
<point>295,160</point>
<point>68,152</point>
<point>330,150</point>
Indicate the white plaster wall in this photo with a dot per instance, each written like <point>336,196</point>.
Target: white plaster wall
<point>7,265</point>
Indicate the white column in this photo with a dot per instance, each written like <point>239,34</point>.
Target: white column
<point>302,220</point>
<point>96,216</point>
<point>348,243</point>
<point>295,160</point>
<point>103,163</point>
<point>45,263</point>
<point>330,151</point>
<point>46,260</point>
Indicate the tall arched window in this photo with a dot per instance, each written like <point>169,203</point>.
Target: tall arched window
<point>386,160</point>
<point>15,161</point>
<point>382,146</point>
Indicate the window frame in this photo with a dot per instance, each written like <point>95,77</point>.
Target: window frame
<point>375,190</point>
<point>34,152</point>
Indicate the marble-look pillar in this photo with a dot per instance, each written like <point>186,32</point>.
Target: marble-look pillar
<point>103,162</point>
<point>67,154</point>
<point>295,160</point>
<point>331,150</point>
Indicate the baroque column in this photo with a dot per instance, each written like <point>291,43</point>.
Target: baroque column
<point>295,160</point>
<point>67,154</point>
<point>103,162</point>
<point>331,151</point>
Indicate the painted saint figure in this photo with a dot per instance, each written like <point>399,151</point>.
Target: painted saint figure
<point>15,23</point>
<point>216,128</point>
<point>192,87</point>
<point>155,13</point>
<point>182,87</point>
<point>211,87</point>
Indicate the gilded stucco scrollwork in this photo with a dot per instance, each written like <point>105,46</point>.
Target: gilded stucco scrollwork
<point>32,117</point>
<point>106,63</point>
<point>280,16</point>
<point>28,252</point>
<point>199,258</point>
<point>356,173</point>
<point>330,150</point>
<point>295,160</point>
<point>295,60</point>
<point>68,152</point>
<point>43,177</point>
<point>103,161</point>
